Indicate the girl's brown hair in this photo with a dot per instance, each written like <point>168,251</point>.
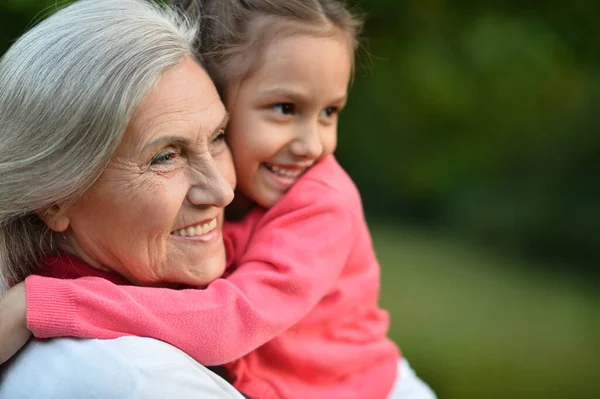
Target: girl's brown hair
<point>234,33</point>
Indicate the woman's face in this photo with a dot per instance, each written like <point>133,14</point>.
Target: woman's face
<point>156,213</point>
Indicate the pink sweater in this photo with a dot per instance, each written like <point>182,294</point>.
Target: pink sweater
<point>296,317</point>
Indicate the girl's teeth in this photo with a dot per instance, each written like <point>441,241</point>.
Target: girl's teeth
<point>284,172</point>
<point>197,230</point>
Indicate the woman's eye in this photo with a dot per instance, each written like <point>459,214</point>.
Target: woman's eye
<point>329,112</point>
<point>220,137</point>
<point>164,158</point>
<point>284,108</point>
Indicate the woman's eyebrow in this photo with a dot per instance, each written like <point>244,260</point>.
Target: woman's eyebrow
<point>167,140</point>
<point>178,140</point>
<point>221,125</point>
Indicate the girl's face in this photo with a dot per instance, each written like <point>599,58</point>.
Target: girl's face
<point>284,115</point>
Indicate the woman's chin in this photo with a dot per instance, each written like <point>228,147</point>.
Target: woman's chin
<point>195,261</point>
<point>202,268</point>
<point>210,270</point>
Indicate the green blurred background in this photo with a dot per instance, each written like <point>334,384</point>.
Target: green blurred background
<point>471,133</point>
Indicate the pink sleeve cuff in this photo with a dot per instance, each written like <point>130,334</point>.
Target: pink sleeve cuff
<point>51,308</point>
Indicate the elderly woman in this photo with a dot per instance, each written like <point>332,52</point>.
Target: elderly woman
<point>111,141</point>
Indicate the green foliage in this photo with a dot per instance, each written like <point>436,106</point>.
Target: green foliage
<point>475,325</point>
<point>471,114</point>
<point>478,118</point>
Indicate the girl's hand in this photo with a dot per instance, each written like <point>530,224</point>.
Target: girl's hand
<point>13,322</point>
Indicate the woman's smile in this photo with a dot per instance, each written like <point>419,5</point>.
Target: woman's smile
<point>205,231</point>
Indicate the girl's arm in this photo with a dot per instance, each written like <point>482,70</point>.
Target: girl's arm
<point>13,324</point>
<point>294,257</point>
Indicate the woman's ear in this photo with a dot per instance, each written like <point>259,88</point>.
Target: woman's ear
<point>55,218</point>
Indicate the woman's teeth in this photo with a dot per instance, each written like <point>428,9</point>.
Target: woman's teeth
<point>199,230</point>
<point>284,172</point>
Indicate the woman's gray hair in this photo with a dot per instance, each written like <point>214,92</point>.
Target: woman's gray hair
<point>68,89</point>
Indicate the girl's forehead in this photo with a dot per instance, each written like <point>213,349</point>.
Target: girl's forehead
<point>302,68</point>
<point>330,51</point>
<point>276,44</point>
<point>268,31</point>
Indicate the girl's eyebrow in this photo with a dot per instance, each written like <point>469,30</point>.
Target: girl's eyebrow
<point>297,95</point>
<point>292,94</point>
<point>341,99</point>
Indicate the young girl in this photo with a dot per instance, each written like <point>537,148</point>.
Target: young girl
<point>296,316</point>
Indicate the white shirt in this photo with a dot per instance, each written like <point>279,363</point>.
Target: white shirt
<point>122,368</point>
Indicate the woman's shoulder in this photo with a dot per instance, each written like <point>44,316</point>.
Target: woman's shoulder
<point>66,367</point>
<point>127,367</point>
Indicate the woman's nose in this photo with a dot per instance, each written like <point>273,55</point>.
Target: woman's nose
<point>211,188</point>
<point>308,143</point>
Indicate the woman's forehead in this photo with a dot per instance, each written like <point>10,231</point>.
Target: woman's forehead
<point>184,102</point>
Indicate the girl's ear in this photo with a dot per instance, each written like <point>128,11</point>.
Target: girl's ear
<point>55,218</point>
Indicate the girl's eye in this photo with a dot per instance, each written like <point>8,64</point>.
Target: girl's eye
<point>163,158</point>
<point>330,111</point>
<point>284,108</point>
